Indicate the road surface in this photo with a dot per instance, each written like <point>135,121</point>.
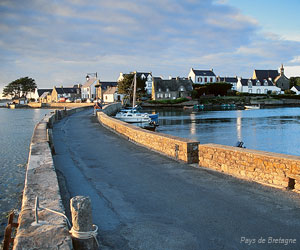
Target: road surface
<point>144,200</point>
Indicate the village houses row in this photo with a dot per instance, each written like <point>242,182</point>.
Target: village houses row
<point>262,82</point>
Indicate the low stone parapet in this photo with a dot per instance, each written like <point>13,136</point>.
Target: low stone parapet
<point>274,169</point>
<point>41,180</point>
<point>179,148</point>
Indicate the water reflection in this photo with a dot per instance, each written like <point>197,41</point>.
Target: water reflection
<point>274,130</point>
<point>239,125</point>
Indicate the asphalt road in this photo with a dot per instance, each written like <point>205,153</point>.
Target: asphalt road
<point>144,200</point>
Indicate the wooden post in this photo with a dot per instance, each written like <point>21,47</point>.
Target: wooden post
<point>81,211</point>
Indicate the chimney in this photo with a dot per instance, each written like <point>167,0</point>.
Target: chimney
<point>170,77</point>
<point>212,70</point>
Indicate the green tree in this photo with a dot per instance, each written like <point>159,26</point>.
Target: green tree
<point>217,88</point>
<point>294,81</point>
<point>125,86</point>
<point>19,88</point>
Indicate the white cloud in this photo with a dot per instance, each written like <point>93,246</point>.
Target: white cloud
<point>290,71</point>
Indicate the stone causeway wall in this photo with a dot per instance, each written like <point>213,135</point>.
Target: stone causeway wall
<point>41,180</point>
<point>278,170</point>
<point>179,148</point>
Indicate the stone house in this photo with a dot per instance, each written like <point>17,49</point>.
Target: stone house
<point>282,81</point>
<point>256,86</point>
<point>42,95</point>
<point>61,92</point>
<point>202,76</point>
<point>296,89</point>
<point>171,89</point>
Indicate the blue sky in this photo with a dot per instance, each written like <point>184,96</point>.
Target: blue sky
<point>58,42</point>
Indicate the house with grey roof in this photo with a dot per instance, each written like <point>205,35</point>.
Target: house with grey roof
<point>256,86</point>
<point>265,74</point>
<point>147,76</point>
<point>88,89</point>
<point>111,95</point>
<point>64,92</point>
<point>296,89</point>
<point>231,80</point>
<point>278,78</point>
<point>202,76</point>
<point>171,89</point>
<point>101,87</point>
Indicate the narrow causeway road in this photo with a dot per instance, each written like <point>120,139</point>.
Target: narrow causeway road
<point>144,200</point>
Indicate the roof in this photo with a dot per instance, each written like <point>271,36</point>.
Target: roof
<point>280,76</point>
<point>89,82</point>
<point>227,79</point>
<point>41,91</point>
<point>44,95</point>
<point>172,84</point>
<point>105,85</point>
<point>110,90</point>
<point>61,90</point>
<point>297,87</point>
<point>265,74</point>
<point>255,82</point>
<point>146,74</point>
<point>203,72</point>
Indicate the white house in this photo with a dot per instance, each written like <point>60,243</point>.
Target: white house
<point>88,89</point>
<point>256,86</point>
<point>231,80</point>
<point>202,76</point>
<point>142,75</point>
<point>296,89</point>
<point>111,95</point>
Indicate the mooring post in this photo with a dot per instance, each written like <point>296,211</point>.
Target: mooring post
<point>83,230</point>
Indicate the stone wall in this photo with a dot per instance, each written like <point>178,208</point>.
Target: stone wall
<point>60,105</point>
<point>278,170</point>
<point>175,147</point>
<point>41,181</point>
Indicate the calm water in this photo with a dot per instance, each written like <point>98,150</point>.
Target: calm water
<point>16,128</point>
<point>275,130</point>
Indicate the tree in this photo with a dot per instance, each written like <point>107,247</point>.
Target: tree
<point>294,81</point>
<point>19,88</point>
<point>217,88</point>
<point>125,86</point>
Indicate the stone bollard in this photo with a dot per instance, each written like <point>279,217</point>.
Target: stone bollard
<point>81,211</point>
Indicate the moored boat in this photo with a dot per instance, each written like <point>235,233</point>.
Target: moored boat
<point>252,106</point>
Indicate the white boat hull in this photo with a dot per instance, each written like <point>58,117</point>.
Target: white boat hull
<point>252,107</point>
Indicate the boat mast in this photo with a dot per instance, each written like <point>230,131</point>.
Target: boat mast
<point>134,90</point>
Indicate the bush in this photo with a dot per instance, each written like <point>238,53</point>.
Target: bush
<point>169,101</point>
<point>289,92</point>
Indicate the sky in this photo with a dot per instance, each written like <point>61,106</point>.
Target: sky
<point>58,42</point>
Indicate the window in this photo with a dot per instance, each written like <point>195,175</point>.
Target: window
<point>266,91</point>
<point>249,90</point>
<point>266,83</point>
<point>258,91</point>
<point>199,79</point>
<point>181,88</point>
<point>205,79</point>
<point>211,79</point>
<point>167,90</point>
<point>249,84</point>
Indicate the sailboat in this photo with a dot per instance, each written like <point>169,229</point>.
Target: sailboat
<point>132,115</point>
